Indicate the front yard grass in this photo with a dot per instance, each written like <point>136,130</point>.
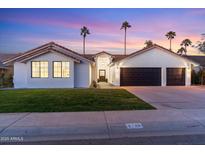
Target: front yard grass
<point>64,100</point>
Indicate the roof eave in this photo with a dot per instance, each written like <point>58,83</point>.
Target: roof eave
<point>48,46</point>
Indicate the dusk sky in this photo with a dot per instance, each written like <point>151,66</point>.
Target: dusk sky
<point>24,29</point>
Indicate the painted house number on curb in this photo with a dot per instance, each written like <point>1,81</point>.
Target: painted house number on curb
<point>134,125</point>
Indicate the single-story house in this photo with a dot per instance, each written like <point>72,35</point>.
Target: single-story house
<point>54,66</point>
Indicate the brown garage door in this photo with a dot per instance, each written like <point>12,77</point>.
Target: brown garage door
<point>175,76</point>
<point>140,76</point>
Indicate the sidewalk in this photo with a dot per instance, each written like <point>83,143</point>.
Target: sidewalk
<point>101,125</point>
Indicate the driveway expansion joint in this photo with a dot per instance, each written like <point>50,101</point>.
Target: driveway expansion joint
<point>14,122</point>
<point>108,127</point>
<point>189,117</point>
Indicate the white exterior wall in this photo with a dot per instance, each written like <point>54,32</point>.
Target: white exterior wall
<point>83,75</point>
<point>102,62</point>
<point>22,73</point>
<point>154,58</point>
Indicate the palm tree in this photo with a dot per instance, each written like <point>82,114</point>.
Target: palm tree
<point>148,43</point>
<point>181,51</point>
<point>170,35</point>
<point>84,32</point>
<point>186,43</point>
<point>124,26</point>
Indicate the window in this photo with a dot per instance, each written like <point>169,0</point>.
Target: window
<point>61,69</point>
<point>39,69</point>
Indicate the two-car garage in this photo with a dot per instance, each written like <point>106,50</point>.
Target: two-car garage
<point>151,76</point>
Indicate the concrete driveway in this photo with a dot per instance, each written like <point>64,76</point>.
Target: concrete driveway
<point>179,97</point>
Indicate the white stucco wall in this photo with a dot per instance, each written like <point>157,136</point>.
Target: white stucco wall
<point>154,58</point>
<point>22,74</point>
<point>102,62</point>
<point>82,73</point>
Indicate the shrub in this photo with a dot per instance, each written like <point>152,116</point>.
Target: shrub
<point>198,77</point>
<point>6,80</point>
<point>93,84</point>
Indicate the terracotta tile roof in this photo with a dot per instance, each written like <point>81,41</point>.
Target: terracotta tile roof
<point>152,47</point>
<point>23,57</point>
<point>115,56</point>
<point>3,57</point>
<point>52,46</point>
<point>2,65</point>
<point>89,56</point>
<point>119,57</point>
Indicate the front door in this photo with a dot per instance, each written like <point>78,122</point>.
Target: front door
<point>102,74</point>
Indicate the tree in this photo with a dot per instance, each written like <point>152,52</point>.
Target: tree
<point>181,51</point>
<point>170,35</point>
<point>148,43</point>
<point>201,44</point>
<point>186,43</point>
<point>84,32</point>
<point>124,26</point>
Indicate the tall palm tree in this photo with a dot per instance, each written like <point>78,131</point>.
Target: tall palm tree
<point>148,43</point>
<point>170,35</point>
<point>124,26</point>
<point>186,43</point>
<point>84,32</point>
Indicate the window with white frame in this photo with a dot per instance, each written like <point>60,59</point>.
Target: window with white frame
<point>61,69</point>
<point>39,69</point>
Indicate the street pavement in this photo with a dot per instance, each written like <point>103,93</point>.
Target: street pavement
<point>101,126</point>
<point>151,140</point>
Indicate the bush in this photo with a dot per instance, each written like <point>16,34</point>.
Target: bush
<point>1,80</point>
<point>195,77</point>
<point>6,80</point>
<point>198,77</point>
<point>93,84</point>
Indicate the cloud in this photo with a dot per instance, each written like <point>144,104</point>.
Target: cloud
<point>105,31</point>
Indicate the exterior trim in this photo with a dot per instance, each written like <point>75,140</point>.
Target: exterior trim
<point>158,47</point>
<point>46,48</point>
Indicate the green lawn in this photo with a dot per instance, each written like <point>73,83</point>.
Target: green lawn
<point>62,100</point>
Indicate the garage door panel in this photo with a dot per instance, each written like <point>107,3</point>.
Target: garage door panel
<point>140,76</point>
<point>175,76</point>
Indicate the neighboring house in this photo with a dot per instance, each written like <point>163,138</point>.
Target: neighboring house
<point>5,68</point>
<point>54,66</point>
<point>2,67</point>
<point>198,59</point>
<point>6,71</point>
